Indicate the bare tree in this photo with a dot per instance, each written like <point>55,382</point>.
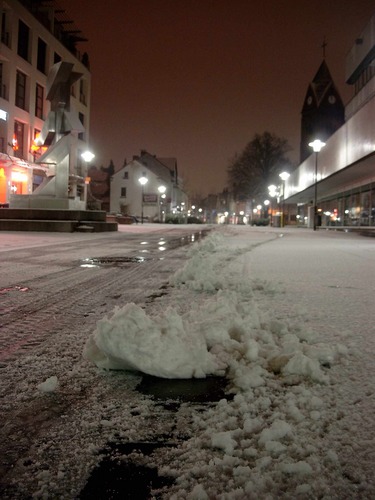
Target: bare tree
<point>264,157</point>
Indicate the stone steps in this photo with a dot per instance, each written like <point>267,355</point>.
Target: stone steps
<point>49,220</point>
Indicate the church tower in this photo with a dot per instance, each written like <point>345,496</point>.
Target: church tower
<point>323,111</point>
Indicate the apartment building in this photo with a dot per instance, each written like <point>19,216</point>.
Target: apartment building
<point>35,35</point>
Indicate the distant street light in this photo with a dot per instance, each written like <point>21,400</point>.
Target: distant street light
<point>283,176</point>
<point>142,180</point>
<point>274,192</point>
<point>316,145</point>
<point>162,189</point>
<point>87,156</point>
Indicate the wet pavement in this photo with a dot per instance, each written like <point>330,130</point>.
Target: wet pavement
<point>52,284</point>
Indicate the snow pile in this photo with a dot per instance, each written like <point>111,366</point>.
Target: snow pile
<point>225,332</point>
<point>267,437</point>
<point>161,346</point>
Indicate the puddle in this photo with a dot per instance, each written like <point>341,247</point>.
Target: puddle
<point>14,288</point>
<point>118,477</point>
<point>162,245</point>
<point>194,390</point>
<point>187,240</point>
<point>112,261</point>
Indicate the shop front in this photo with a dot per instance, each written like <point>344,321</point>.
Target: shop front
<point>17,177</point>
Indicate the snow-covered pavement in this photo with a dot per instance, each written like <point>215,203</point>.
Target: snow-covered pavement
<point>286,315</point>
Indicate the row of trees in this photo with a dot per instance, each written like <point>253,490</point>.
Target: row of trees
<point>258,166</point>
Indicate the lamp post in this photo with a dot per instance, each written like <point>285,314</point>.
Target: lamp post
<point>87,156</point>
<point>162,190</point>
<point>142,180</point>
<point>267,204</point>
<point>283,176</point>
<point>316,145</point>
<point>273,192</point>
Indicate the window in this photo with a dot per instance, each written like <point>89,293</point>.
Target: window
<point>39,98</point>
<point>2,85</point>
<point>82,94</point>
<point>123,192</point>
<point>42,56</point>
<point>56,58</point>
<point>23,40</point>
<point>18,139</point>
<point>5,28</point>
<point>21,90</point>
<point>35,150</point>
<point>126,175</point>
<point>82,120</point>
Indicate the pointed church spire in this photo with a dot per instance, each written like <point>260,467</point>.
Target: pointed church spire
<point>322,82</point>
<point>323,111</point>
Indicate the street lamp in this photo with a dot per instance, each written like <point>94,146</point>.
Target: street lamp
<point>87,156</point>
<point>162,190</point>
<point>283,176</point>
<point>274,192</point>
<point>316,145</point>
<point>142,180</point>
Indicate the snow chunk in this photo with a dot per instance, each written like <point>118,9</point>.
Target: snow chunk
<point>299,468</point>
<point>198,493</point>
<point>224,441</point>
<point>49,385</point>
<point>131,340</point>
<point>302,365</point>
<point>278,430</point>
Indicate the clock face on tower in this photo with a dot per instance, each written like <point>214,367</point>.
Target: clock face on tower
<point>332,99</point>
<point>309,99</point>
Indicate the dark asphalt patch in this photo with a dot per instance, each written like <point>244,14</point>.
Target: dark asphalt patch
<point>120,478</point>
<point>122,473</point>
<point>193,390</point>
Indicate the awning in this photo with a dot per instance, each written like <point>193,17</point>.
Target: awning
<point>12,161</point>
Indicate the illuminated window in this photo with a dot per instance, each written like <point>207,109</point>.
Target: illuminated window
<point>18,136</point>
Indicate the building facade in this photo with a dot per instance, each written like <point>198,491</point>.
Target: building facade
<point>34,36</point>
<point>158,198</point>
<point>342,175</point>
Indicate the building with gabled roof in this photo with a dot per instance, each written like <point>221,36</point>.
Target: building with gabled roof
<point>129,197</point>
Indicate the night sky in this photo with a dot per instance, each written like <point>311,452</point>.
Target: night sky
<point>196,79</point>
